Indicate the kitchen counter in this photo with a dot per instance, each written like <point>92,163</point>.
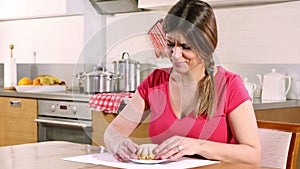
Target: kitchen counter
<point>45,155</point>
<point>62,96</point>
<point>258,105</point>
<point>76,96</point>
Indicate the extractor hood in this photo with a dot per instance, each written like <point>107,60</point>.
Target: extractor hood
<point>115,6</point>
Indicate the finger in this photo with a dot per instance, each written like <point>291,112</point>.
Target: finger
<point>117,157</point>
<point>175,153</point>
<point>165,155</point>
<point>132,147</point>
<point>167,146</point>
<point>123,155</point>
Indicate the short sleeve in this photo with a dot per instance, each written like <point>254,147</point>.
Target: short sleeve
<point>236,93</point>
<point>143,88</point>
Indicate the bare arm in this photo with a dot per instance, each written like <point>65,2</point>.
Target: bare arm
<point>116,135</point>
<point>247,150</point>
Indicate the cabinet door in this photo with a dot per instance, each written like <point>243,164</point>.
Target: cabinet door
<point>16,9</point>
<point>101,120</point>
<point>17,124</point>
<point>290,114</point>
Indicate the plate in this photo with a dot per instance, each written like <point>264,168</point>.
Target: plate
<point>40,89</point>
<point>148,161</point>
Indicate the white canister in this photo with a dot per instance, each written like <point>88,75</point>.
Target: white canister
<point>294,92</point>
<point>250,87</point>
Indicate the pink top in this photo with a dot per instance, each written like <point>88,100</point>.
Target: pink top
<point>165,124</point>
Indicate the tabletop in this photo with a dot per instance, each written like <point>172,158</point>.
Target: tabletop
<point>44,155</point>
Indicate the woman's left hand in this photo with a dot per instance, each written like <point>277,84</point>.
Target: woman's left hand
<point>176,147</point>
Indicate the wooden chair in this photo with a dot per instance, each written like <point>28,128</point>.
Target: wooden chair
<point>280,144</point>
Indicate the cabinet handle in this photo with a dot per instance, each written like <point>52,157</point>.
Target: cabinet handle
<point>15,103</point>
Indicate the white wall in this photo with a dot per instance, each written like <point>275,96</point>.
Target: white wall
<point>266,34</point>
<point>54,39</point>
<point>129,32</point>
<point>263,34</point>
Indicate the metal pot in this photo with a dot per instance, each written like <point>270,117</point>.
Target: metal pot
<point>98,81</point>
<point>128,73</point>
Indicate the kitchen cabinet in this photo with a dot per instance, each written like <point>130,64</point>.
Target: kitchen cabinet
<point>17,124</point>
<point>290,114</point>
<point>16,9</point>
<point>100,122</point>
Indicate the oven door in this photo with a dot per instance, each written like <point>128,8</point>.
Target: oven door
<point>59,129</point>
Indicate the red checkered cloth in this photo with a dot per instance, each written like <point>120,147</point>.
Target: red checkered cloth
<point>108,102</point>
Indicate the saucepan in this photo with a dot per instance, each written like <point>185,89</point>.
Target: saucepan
<point>97,81</point>
<point>127,73</point>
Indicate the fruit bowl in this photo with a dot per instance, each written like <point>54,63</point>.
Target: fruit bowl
<point>40,89</point>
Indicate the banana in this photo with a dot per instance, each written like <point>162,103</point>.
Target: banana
<point>52,78</point>
<point>48,80</point>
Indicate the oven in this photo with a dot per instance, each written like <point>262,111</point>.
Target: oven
<point>64,121</point>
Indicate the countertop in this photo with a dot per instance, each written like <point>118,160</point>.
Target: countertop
<point>46,155</point>
<point>81,97</point>
<point>63,96</point>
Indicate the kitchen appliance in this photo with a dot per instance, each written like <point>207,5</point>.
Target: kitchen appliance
<point>128,74</point>
<point>250,87</point>
<point>64,121</point>
<point>274,86</point>
<point>115,6</point>
<point>97,81</point>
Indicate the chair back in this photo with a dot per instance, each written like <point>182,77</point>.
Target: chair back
<point>280,144</point>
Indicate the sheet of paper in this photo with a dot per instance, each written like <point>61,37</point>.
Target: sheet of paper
<point>107,159</point>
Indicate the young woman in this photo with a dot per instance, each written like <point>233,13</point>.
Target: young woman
<point>195,107</point>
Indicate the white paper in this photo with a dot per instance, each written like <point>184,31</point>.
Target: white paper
<point>10,72</point>
<point>107,159</point>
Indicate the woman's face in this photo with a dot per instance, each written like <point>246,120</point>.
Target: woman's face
<point>183,58</point>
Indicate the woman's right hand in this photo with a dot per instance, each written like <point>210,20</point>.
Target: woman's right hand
<point>125,149</point>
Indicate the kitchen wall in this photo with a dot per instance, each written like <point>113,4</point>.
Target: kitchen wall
<point>51,44</point>
<point>266,34</point>
<point>252,40</point>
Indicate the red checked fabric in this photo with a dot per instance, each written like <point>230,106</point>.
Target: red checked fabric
<point>108,102</point>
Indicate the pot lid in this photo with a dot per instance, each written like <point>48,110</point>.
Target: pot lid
<point>126,60</point>
<point>98,72</point>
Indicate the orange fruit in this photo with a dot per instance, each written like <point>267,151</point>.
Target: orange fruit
<point>36,82</point>
<point>25,81</point>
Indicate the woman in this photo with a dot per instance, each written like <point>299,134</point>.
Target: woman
<point>195,107</point>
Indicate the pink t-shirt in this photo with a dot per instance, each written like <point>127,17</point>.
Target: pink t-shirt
<point>165,124</point>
